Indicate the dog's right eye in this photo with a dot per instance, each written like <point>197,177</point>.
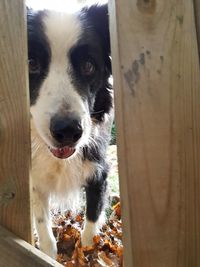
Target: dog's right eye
<point>34,66</point>
<point>87,68</point>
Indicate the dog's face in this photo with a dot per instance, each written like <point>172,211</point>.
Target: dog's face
<point>69,67</point>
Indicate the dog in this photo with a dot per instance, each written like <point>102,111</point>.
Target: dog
<point>71,114</point>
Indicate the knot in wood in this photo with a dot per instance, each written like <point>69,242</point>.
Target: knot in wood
<point>146,6</point>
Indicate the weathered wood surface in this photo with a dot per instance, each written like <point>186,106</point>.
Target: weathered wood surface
<point>14,121</point>
<point>157,100</point>
<point>15,252</point>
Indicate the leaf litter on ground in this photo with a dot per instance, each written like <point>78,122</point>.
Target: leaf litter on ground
<point>107,248</point>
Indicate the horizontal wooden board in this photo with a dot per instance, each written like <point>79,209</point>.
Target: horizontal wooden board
<point>14,252</point>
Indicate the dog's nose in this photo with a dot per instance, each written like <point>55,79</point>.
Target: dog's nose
<point>66,131</point>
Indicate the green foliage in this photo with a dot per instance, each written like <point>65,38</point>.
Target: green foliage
<point>113,135</point>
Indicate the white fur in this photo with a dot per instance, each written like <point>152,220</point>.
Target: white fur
<point>91,229</point>
<point>62,177</point>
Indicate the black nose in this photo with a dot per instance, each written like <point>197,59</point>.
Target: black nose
<point>66,131</point>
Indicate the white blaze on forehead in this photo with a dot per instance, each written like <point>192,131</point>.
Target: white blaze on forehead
<point>63,31</point>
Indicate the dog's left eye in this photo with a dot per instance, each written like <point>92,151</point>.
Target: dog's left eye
<point>87,68</point>
<point>34,66</point>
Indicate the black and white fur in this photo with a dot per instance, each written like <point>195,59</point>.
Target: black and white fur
<point>66,89</point>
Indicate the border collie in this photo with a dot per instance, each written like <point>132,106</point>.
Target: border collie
<point>71,114</point>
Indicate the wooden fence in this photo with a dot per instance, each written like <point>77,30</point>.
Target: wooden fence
<point>157,98</point>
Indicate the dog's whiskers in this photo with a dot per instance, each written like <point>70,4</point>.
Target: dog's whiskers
<point>97,112</point>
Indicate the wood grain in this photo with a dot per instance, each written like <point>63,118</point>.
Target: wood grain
<point>157,99</point>
<point>15,252</point>
<point>14,121</point>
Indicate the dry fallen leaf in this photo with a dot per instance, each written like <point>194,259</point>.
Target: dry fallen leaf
<point>106,251</point>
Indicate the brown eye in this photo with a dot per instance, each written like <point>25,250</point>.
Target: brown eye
<point>34,66</point>
<point>87,68</point>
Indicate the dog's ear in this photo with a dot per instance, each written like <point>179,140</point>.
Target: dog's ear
<point>98,16</point>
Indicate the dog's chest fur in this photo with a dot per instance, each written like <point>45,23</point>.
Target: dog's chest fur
<point>61,180</point>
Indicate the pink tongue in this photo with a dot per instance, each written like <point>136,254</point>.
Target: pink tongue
<point>62,153</point>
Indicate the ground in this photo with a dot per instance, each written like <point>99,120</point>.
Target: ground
<point>113,179</point>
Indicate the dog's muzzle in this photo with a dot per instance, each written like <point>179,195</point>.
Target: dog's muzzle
<point>66,132</point>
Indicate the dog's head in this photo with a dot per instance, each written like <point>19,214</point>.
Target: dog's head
<point>69,67</point>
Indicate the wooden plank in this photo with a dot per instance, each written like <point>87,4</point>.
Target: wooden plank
<point>157,100</point>
<point>16,252</point>
<point>14,120</point>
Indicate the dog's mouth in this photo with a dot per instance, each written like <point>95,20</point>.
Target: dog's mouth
<point>63,152</point>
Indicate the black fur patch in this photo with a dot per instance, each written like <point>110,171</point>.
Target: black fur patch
<point>38,49</point>
<point>93,45</point>
<point>97,17</point>
<point>95,195</point>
